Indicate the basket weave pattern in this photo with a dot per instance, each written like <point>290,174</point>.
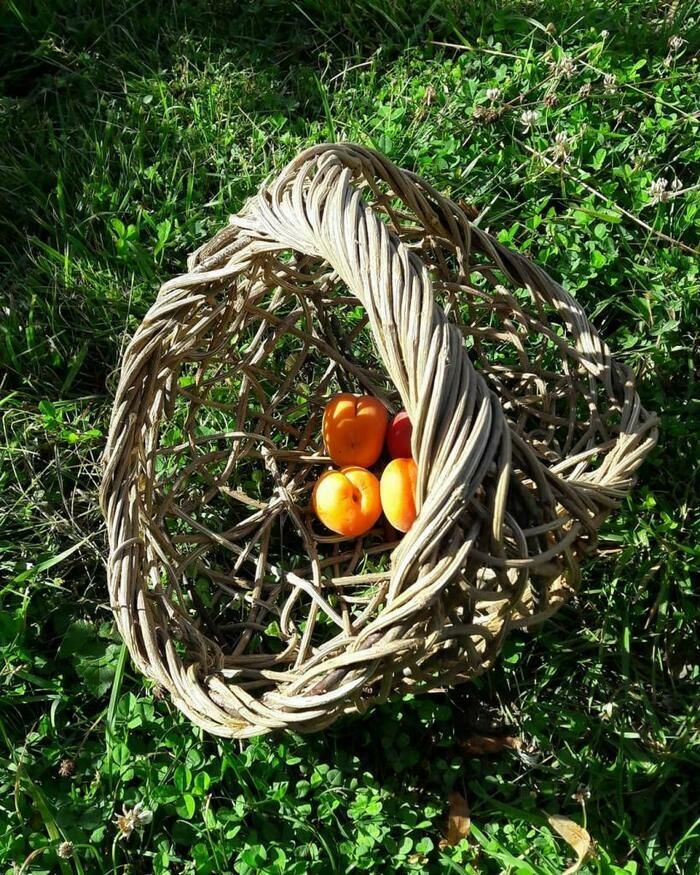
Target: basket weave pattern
<point>526,435</point>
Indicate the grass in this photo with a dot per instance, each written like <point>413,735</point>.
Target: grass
<point>129,133</point>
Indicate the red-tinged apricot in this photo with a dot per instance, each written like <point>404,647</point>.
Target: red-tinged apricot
<point>397,490</point>
<point>398,436</point>
<point>347,501</point>
<point>354,428</point>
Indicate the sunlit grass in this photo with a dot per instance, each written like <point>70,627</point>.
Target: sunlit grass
<point>128,134</point>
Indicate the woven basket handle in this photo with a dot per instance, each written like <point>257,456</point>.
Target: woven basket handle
<point>459,430</point>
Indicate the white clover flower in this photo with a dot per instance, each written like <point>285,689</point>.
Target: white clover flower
<point>658,191</point>
<point>561,149</point>
<point>584,90</point>
<point>66,767</point>
<point>565,66</point>
<point>604,34</point>
<point>65,850</point>
<point>676,185</point>
<point>676,43</point>
<point>131,819</point>
<point>529,118</point>
<point>609,83</point>
<point>493,94</point>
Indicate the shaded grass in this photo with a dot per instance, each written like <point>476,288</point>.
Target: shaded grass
<point>129,134</point>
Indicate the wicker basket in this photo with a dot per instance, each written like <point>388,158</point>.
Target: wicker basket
<point>526,435</point>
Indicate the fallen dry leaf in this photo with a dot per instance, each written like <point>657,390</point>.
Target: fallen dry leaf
<point>575,836</point>
<point>458,820</point>
<point>484,745</point>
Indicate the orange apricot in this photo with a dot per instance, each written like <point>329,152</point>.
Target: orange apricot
<point>354,428</point>
<point>397,490</point>
<point>347,501</point>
